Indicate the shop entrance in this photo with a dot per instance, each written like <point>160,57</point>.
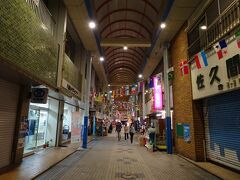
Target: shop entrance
<point>42,126</point>
<point>37,127</point>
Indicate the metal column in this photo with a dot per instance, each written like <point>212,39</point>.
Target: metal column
<point>86,116</point>
<point>167,100</point>
<point>143,101</point>
<point>85,132</point>
<point>94,125</point>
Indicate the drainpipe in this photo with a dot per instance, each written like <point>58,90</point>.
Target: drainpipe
<point>167,100</point>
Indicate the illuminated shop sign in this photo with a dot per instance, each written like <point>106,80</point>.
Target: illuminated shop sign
<point>158,101</point>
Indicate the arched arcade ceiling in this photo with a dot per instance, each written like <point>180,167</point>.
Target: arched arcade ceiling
<point>126,22</point>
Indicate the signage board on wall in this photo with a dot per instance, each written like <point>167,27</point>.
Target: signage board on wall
<point>219,76</point>
<point>70,87</point>
<point>186,132</point>
<point>39,95</point>
<point>76,126</point>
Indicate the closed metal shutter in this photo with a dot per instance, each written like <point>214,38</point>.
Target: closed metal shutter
<point>222,128</point>
<point>9,94</point>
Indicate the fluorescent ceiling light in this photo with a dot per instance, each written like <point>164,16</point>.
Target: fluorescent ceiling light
<point>101,59</point>
<point>92,25</point>
<point>203,27</point>
<point>162,25</point>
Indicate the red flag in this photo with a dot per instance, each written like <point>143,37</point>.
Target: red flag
<point>184,67</point>
<point>123,91</point>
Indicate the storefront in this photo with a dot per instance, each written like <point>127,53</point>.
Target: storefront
<point>218,86</point>
<point>9,97</point>
<point>155,121</point>
<point>222,128</point>
<point>42,125</point>
<point>68,116</point>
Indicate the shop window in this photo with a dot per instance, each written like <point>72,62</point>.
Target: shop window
<point>67,122</point>
<point>193,41</point>
<point>212,12</point>
<point>224,4</point>
<point>70,46</point>
<point>41,125</point>
<point>202,33</point>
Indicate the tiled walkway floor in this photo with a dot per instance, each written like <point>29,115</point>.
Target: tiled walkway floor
<point>33,165</point>
<point>108,159</point>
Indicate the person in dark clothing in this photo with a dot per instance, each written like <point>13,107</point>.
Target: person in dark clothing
<point>118,129</point>
<point>132,131</point>
<point>126,131</point>
<point>110,128</point>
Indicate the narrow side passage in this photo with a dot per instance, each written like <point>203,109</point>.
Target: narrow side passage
<point>108,159</point>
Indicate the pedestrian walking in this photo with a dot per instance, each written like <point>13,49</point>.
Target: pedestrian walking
<point>132,131</point>
<point>118,129</point>
<point>126,130</point>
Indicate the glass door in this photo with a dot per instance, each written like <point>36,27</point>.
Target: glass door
<point>42,128</point>
<point>37,128</point>
<point>31,136</point>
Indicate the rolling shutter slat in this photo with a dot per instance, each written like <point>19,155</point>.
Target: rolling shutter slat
<point>9,94</point>
<point>222,128</point>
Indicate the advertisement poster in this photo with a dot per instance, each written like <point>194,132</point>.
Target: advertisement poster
<point>186,132</point>
<point>76,127</point>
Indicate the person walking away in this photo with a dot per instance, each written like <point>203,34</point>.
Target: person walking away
<point>118,129</point>
<point>132,131</point>
<point>126,130</point>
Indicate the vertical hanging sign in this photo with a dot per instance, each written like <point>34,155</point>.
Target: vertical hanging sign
<point>157,87</point>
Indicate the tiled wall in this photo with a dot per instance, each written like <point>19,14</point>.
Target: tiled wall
<point>25,44</point>
<point>71,73</point>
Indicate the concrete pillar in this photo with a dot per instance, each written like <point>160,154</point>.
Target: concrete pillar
<point>60,123</point>
<point>87,93</point>
<point>60,16</point>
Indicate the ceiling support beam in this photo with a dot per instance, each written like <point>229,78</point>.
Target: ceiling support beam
<point>130,42</point>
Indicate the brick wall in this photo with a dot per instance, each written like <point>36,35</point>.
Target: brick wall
<point>185,110</point>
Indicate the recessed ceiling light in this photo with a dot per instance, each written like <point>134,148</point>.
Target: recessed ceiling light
<point>162,25</point>
<point>125,48</point>
<point>203,27</point>
<point>109,85</point>
<point>140,75</point>
<point>92,24</point>
<point>101,59</point>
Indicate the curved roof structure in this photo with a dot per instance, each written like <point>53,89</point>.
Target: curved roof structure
<point>126,23</point>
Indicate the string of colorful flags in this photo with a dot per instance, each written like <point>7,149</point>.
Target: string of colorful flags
<point>132,89</point>
<point>201,57</point>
